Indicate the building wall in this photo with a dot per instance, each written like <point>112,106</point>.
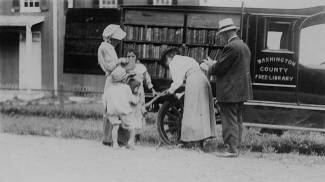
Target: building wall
<point>83,3</point>
<point>90,3</point>
<point>135,2</point>
<point>188,2</point>
<point>5,7</point>
<point>69,81</point>
<point>47,48</point>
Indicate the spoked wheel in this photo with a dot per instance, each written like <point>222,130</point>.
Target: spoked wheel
<point>169,121</point>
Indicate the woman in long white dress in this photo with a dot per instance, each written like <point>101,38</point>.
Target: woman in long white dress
<point>108,61</point>
<point>198,122</point>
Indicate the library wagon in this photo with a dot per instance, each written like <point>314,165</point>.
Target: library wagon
<point>287,66</point>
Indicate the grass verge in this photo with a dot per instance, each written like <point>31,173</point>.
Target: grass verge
<point>84,121</point>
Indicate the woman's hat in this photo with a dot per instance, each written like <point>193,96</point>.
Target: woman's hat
<point>114,31</point>
<point>119,74</point>
<point>226,24</point>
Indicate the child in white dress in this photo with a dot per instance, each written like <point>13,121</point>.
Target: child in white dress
<point>119,102</point>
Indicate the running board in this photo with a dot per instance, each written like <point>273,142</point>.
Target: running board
<point>286,105</point>
<point>282,127</point>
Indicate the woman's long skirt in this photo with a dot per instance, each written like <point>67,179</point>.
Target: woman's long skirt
<point>198,121</point>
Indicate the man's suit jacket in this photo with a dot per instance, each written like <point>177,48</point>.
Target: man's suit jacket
<point>232,70</point>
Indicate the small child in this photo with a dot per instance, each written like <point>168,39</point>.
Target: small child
<point>119,103</point>
<point>133,121</point>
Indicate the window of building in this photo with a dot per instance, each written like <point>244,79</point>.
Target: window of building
<point>162,2</point>
<point>108,3</point>
<point>278,35</point>
<point>30,6</point>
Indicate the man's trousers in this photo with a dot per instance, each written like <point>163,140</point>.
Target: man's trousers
<point>232,123</point>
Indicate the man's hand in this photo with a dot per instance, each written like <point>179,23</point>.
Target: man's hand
<point>204,67</point>
<point>170,92</point>
<point>207,64</point>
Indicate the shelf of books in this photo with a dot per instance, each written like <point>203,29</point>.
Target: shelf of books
<point>150,32</point>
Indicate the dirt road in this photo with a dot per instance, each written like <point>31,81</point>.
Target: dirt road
<point>42,159</point>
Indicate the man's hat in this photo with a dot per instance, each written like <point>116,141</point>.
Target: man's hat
<point>114,31</point>
<point>226,24</point>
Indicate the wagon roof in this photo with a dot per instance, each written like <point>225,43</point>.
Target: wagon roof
<point>235,10</point>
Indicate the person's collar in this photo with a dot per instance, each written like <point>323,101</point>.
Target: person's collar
<point>232,38</point>
<point>175,57</point>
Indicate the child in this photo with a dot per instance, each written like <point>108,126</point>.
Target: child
<point>141,73</point>
<point>118,100</point>
<point>133,121</point>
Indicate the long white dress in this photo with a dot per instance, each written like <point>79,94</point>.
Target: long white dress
<point>198,120</point>
<point>108,60</point>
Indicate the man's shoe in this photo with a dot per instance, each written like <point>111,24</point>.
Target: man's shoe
<point>107,143</point>
<point>227,155</point>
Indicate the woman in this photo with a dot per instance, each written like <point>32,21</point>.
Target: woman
<point>198,121</point>
<point>108,61</point>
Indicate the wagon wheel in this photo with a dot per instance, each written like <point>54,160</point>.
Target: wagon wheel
<point>169,121</point>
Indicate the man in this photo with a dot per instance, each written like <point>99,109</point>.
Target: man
<point>233,84</point>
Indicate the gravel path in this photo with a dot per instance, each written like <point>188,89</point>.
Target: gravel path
<point>42,159</point>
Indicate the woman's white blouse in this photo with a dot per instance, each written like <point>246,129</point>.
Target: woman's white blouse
<point>178,68</point>
<point>107,57</point>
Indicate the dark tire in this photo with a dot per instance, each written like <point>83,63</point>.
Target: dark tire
<point>169,121</point>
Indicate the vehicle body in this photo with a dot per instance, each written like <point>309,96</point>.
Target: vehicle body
<point>289,92</point>
<point>287,64</point>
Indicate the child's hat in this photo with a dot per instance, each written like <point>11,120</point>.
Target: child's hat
<point>114,31</point>
<point>119,74</point>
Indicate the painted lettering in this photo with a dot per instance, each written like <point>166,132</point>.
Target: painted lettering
<point>276,60</point>
<point>273,69</point>
<point>273,78</point>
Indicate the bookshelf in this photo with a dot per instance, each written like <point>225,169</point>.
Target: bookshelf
<point>83,35</point>
<point>151,30</point>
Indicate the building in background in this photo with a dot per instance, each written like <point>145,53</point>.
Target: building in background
<point>26,57</point>
<point>32,40</point>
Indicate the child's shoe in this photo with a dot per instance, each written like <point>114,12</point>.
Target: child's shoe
<point>130,146</point>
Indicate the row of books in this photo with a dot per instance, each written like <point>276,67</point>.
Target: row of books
<point>198,53</point>
<point>203,36</point>
<point>154,34</point>
<point>147,50</point>
<point>201,53</point>
<point>156,70</point>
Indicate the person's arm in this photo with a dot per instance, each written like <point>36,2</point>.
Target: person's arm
<point>147,80</point>
<point>177,78</point>
<point>106,61</point>
<point>228,57</point>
